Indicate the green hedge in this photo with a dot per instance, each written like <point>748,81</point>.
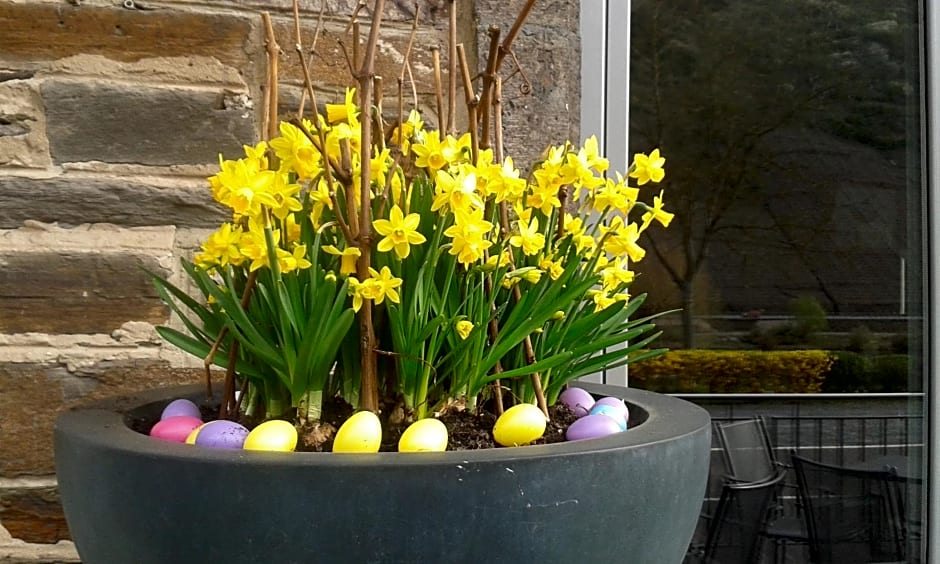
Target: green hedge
<point>719,371</point>
<point>854,372</point>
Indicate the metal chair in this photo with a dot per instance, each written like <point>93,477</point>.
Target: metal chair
<point>851,514</point>
<point>747,450</point>
<point>749,457</point>
<point>735,529</point>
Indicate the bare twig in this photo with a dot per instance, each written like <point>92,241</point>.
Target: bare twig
<point>452,71</point>
<point>369,393</point>
<point>306,63</point>
<point>489,75</point>
<point>439,88</point>
<point>471,100</point>
<point>272,49</point>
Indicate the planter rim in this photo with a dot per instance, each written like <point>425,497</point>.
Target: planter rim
<point>102,422</point>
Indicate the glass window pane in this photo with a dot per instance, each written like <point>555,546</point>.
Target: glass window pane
<point>793,136</point>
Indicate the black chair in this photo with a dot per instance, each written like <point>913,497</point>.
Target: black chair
<point>851,514</point>
<point>735,530</point>
<point>749,457</point>
<point>747,450</point>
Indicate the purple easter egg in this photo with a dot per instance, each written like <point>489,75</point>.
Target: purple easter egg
<point>578,400</point>
<point>610,411</point>
<point>179,407</point>
<point>592,427</point>
<point>617,404</point>
<point>222,434</point>
<point>175,429</point>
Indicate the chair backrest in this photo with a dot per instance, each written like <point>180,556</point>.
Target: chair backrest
<point>747,451</point>
<point>739,519</point>
<point>851,514</point>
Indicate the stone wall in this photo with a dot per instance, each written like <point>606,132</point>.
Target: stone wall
<point>111,116</point>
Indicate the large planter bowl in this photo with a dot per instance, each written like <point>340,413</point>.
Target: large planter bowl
<point>632,497</point>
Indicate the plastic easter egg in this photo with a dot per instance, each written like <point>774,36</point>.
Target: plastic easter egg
<point>578,400</point>
<point>362,432</point>
<point>424,435</point>
<point>179,407</point>
<point>275,435</point>
<point>617,404</point>
<point>592,427</point>
<point>191,438</point>
<point>222,434</point>
<point>611,412</point>
<point>175,429</point>
<point>519,425</point>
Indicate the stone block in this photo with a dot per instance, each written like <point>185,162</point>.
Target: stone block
<point>330,69</point>
<point>34,394</point>
<point>127,123</point>
<point>22,126</point>
<point>541,101</point>
<point>37,31</point>
<point>77,292</point>
<point>33,515</point>
<point>102,199</point>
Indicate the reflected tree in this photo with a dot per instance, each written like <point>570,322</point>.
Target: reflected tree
<point>713,81</point>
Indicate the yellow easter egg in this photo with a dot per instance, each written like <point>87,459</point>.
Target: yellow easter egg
<point>360,433</point>
<point>424,435</point>
<point>191,438</point>
<point>519,425</point>
<point>275,435</point>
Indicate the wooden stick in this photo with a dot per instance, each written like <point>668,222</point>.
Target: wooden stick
<point>369,391</point>
<point>471,102</point>
<point>438,88</point>
<point>489,75</point>
<point>452,72</point>
<point>272,49</point>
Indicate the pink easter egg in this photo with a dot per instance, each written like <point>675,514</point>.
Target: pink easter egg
<point>175,429</point>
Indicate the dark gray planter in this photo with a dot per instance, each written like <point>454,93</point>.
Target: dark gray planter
<point>631,497</point>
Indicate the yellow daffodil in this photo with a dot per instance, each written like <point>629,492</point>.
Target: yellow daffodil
<point>428,153</point>
<point>464,328</point>
<point>296,152</point>
<point>379,286</point>
<point>469,236</point>
<point>621,240</point>
<point>456,192</point>
<point>646,169</point>
<point>400,232</point>
<point>336,113</point>
<point>221,248</point>
<point>656,213</point>
<point>348,258</point>
<point>529,238</point>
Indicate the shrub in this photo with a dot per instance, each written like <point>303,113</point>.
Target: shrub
<point>808,317</point>
<point>712,371</point>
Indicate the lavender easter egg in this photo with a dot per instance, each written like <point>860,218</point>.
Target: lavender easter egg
<point>592,427</point>
<point>179,407</point>
<point>175,429</point>
<point>222,434</point>
<point>617,404</point>
<point>578,400</point>
<point>611,412</point>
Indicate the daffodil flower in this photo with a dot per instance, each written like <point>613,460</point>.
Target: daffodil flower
<point>649,168</point>
<point>400,232</point>
<point>348,258</point>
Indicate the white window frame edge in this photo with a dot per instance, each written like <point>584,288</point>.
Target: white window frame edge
<point>932,156</point>
<point>605,97</point>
